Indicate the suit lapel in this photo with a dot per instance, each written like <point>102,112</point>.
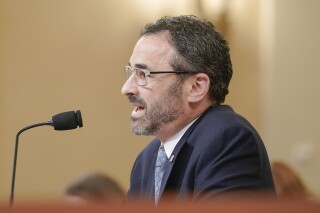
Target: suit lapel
<point>176,152</point>
<point>173,157</point>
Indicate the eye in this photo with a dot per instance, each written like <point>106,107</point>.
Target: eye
<point>140,74</point>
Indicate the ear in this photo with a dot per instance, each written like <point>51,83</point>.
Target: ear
<point>198,87</point>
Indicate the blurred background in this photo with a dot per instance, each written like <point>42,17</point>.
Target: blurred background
<point>61,55</point>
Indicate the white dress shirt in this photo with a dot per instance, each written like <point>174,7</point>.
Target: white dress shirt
<point>171,143</point>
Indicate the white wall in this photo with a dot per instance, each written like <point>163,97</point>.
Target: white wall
<point>291,121</point>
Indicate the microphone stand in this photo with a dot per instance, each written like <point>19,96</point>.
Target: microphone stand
<point>16,153</point>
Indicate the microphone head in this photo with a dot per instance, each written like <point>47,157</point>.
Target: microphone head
<point>67,120</point>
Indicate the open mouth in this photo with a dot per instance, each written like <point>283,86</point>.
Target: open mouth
<point>139,108</point>
<point>138,111</point>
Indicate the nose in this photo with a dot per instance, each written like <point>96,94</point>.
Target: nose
<point>129,87</point>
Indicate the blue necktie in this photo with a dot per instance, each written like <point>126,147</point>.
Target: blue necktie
<point>161,162</point>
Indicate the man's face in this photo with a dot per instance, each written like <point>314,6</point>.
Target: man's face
<point>160,102</point>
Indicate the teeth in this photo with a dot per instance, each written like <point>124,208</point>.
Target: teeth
<point>138,108</point>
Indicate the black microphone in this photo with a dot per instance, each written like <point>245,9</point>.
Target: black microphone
<point>67,120</point>
<point>62,121</point>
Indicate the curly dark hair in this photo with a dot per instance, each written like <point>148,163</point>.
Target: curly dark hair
<point>200,48</point>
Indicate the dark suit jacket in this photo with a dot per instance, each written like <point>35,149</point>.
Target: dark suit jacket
<point>220,152</point>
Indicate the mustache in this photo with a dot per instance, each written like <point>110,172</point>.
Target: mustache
<point>136,100</point>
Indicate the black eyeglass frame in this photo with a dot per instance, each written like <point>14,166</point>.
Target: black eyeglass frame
<point>147,73</point>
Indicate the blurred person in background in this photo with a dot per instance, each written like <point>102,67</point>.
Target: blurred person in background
<point>94,187</point>
<point>288,182</point>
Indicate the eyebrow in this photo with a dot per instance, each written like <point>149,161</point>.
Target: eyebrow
<point>140,66</point>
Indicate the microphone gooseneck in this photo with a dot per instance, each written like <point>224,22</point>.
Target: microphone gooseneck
<point>15,156</point>
<point>63,121</point>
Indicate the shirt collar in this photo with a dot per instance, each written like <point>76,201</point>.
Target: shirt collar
<point>171,143</point>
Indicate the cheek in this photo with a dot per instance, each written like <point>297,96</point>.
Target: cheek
<point>152,93</point>
<point>151,100</point>
<point>159,91</point>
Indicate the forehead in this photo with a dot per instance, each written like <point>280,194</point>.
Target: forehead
<point>154,51</point>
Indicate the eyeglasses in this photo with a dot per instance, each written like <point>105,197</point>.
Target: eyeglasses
<point>142,74</point>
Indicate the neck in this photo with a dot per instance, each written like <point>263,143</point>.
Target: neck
<point>174,127</point>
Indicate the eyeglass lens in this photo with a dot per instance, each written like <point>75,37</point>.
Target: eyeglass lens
<point>140,75</point>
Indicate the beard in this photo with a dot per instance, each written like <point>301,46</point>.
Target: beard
<point>163,111</point>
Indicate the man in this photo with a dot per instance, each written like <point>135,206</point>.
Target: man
<point>177,80</point>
